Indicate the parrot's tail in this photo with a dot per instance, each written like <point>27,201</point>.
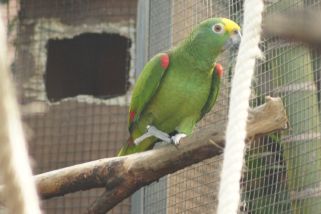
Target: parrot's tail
<point>127,148</point>
<point>130,147</point>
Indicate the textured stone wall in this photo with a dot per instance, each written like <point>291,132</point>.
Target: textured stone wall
<point>80,128</point>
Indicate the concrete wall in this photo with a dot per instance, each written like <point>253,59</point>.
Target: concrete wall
<point>80,128</point>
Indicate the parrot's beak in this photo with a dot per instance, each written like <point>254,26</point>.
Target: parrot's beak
<point>233,41</point>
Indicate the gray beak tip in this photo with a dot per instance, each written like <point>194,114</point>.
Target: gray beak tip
<point>236,38</point>
<point>234,41</point>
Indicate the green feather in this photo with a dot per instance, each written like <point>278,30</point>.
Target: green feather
<point>215,88</point>
<point>146,86</point>
<point>175,98</point>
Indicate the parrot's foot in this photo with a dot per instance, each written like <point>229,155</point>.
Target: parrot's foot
<point>159,134</point>
<point>177,138</point>
<point>153,131</point>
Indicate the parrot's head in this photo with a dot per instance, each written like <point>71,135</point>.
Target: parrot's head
<point>215,35</point>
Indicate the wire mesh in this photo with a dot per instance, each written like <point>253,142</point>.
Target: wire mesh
<point>281,170</point>
<point>83,125</point>
<point>160,36</point>
<point>189,190</point>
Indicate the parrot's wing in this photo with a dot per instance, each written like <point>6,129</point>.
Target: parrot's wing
<point>214,91</point>
<point>147,85</point>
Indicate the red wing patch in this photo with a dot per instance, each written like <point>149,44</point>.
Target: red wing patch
<point>132,115</point>
<point>165,61</point>
<point>219,69</point>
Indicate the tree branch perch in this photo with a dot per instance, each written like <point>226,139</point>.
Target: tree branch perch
<point>121,176</point>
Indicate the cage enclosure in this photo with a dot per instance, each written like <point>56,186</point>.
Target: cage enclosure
<point>74,63</point>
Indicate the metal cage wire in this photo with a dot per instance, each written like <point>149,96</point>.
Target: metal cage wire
<point>82,126</point>
<point>281,170</point>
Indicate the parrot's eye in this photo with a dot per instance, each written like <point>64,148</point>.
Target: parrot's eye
<point>218,28</point>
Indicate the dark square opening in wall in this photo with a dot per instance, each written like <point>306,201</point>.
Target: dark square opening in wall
<point>88,64</point>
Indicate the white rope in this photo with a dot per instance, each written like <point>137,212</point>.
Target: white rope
<point>15,172</point>
<point>229,192</point>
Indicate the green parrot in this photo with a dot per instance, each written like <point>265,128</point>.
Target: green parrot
<point>178,87</point>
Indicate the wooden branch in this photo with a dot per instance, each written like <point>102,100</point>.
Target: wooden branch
<point>299,25</point>
<point>121,176</point>
<point>206,143</point>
